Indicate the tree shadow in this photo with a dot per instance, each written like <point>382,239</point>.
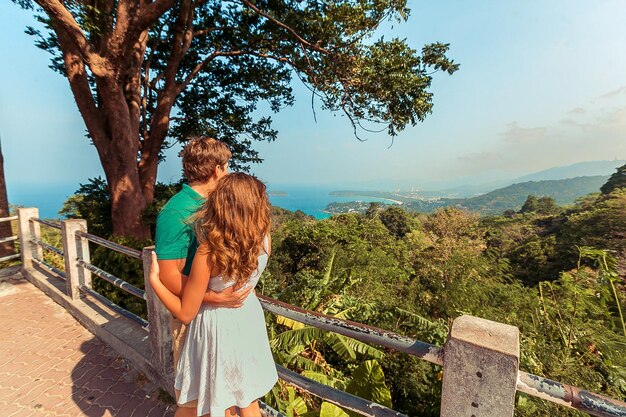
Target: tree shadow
<point>103,384</point>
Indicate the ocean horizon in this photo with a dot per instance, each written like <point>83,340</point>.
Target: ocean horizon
<point>311,200</point>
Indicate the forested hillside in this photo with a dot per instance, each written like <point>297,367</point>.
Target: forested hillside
<point>555,276</point>
<point>512,197</point>
<point>564,192</point>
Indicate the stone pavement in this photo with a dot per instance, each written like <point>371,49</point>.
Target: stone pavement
<point>51,366</point>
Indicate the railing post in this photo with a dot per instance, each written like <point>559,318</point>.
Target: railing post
<point>481,361</point>
<point>160,334</point>
<point>75,247</point>
<point>27,231</point>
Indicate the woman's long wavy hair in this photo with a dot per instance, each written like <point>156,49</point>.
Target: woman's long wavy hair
<point>233,223</point>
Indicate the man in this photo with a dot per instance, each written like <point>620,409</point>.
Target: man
<point>205,161</point>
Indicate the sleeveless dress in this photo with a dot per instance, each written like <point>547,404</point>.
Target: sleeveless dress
<point>226,359</point>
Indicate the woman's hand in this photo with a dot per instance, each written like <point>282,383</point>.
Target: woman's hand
<point>153,276</point>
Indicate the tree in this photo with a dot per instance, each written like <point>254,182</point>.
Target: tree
<point>373,209</point>
<point>131,64</point>
<point>547,205</point>
<point>6,248</point>
<point>530,205</point>
<point>396,221</point>
<point>615,181</point>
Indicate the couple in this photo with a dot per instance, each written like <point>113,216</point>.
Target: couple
<point>212,243</point>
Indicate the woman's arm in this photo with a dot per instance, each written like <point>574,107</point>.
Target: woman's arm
<point>186,307</point>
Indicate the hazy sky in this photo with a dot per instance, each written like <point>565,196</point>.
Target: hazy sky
<point>541,84</point>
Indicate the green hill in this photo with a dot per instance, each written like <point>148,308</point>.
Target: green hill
<point>512,197</point>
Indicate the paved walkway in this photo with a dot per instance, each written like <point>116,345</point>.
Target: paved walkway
<point>51,366</point>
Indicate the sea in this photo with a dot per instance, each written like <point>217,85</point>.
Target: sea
<point>309,199</point>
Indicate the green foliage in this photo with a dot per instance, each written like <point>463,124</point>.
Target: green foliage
<point>368,381</point>
<point>616,181</point>
<point>91,202</point>
<point>530,205</point>
<point>608,272</point>
<point>514,196</point>
<point>541,205</point>
<point>547,205</point>
<point>285,398</point>
<point>257,48</point>
<point>508,269</point>
<point>124,267</point>
<point>331,410</point>
<point>396,221</point>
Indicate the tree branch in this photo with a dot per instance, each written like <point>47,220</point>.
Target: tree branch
<point>217,54</point>
<point>152,12</point>
<point>66,23</point>
<point>287,28</point>
<point>79,83</point>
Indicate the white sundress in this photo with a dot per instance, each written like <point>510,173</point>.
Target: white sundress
<point>226,359</point>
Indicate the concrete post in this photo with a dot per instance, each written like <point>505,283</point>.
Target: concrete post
<point>481,360</point>
<point>29,230</point>
<point>159,326</point>
<point>75,247</point>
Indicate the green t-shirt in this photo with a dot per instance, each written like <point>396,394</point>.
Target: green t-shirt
<point>175,238</point>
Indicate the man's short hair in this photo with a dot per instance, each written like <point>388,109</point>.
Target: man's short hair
<point>201,156</point>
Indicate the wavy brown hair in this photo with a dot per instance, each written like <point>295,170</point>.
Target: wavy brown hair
<point>233,222</point>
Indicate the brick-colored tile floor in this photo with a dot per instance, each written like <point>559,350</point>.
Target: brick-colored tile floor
<point>51,366</point>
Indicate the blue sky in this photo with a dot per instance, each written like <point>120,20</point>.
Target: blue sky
<point>541,84</point>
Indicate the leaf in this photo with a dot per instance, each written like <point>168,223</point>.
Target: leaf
<point>292,324</point>
<point>296,406</point>
<point>307,364</point>
<point>339,344</point>
<point>304,336</point>
<point>368,381</point>
<point>363,348</point>
<point>420,322</point>
<point>347,347</point>
<point>331,410</point>
<point>325,379</point>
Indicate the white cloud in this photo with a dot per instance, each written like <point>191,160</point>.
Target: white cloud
<point>523,135</point>
<point>577,111</point>
<point>614,93</point>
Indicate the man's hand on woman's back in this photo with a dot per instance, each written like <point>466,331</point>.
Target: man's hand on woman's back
<point>229,298</point>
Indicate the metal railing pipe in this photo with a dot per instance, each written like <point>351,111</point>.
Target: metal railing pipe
<point>362,332</point>
<point>335,396</point>
<point>118,282</point>
<point>8,219</point>
<point>569,396</point>
<point>133,253</point>
<point>49,267</point>
<point>48,247</point>
<point>48,223</point>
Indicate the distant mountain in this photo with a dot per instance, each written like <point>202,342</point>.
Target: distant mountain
<point>581,169</point>
<point>512,197</point>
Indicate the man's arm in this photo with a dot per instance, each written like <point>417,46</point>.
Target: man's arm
<point>171,276</point>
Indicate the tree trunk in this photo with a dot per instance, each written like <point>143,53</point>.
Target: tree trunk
<point>127,205</point>
<point>119,160</point>
<point>6,248</point>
